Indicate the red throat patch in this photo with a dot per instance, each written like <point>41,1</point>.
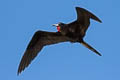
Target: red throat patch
<point>58,28</point>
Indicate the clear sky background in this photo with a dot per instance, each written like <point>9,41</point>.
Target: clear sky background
<point>20,19</point>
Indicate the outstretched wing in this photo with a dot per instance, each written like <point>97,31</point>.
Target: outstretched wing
<point>83,18</point>
<point>39,40</point>
<point>83,14</point>
<point>83,21</point>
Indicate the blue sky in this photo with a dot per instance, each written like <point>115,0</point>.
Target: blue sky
<point>20,19</point>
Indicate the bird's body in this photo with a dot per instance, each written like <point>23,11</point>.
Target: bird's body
<point>71,32</point>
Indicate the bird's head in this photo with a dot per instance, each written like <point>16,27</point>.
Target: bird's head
<point>59,25</point>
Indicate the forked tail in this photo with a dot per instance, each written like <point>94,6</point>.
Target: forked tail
<point>89,47</point>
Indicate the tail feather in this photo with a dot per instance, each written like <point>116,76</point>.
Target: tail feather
<point>91,48</point>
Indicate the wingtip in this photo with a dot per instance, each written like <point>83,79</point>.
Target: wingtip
<point>20,69</point>
<point>99,20</point>
<point>89,13</point>
<point>18,73</point>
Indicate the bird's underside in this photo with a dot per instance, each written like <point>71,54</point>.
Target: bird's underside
<point>72,32</point>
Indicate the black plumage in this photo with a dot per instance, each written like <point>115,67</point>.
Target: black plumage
<point>72,32</point>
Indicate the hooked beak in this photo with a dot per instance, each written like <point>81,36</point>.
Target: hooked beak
<point>55,25</point>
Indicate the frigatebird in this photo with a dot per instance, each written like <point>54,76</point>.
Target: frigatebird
<point>72,32</point>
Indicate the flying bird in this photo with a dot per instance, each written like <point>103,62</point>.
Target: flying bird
<point>72,32</point>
